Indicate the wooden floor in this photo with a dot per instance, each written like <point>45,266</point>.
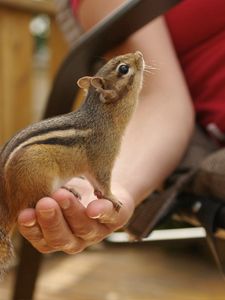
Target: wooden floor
<point>178,271</point>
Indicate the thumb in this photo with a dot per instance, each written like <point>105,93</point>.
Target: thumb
<point>103,210</point>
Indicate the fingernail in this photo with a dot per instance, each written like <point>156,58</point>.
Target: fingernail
<point>65,204</point>
<point>98,216</point>
<point>47,213</point>
<point>29,223</point>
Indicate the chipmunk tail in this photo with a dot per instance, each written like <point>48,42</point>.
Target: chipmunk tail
<point>6,252</point>
<point>6,248</point>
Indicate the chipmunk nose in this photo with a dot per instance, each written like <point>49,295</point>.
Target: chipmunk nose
<point>138,54</point>
<point>139,59</point>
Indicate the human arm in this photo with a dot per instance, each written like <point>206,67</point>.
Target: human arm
<point>160,130</point>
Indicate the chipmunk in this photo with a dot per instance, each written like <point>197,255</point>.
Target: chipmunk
<point>44,156</point>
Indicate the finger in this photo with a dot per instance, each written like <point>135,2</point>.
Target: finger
<point>103,210</point>
<point>56,232</point>
<point>75,213</point>
<point>31,231</point>
<point>27,217</point>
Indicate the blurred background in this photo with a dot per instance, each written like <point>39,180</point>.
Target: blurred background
<point>31,48</point>
<point>32,45</point>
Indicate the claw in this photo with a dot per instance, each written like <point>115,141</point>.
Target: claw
<point>117,205</point>
<point>73,191</point>
<point>98,194</point>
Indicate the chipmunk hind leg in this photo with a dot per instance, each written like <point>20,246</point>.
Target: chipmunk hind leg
<point>25,182</point>
<point>29,177</point>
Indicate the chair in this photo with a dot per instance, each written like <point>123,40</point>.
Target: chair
<point>77,64</point>
<point>178,198</point>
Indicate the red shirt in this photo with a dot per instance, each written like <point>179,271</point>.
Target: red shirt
<point>197,28</point>
<point>74,4</point>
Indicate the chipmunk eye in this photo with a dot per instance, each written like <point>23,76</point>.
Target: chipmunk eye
<point>123,69</point>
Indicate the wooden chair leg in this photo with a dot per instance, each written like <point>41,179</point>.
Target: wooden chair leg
<point>27,273</point>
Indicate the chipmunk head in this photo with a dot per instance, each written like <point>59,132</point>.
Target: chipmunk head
<point>117,77</point>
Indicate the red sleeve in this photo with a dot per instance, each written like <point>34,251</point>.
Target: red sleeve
<point>197,29</point>
<point>74,4</point>
<point>193,21</point>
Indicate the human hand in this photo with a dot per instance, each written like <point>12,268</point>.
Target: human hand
<point>65,223</point>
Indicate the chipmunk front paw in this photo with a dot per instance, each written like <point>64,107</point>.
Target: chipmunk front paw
<point>116,203</point>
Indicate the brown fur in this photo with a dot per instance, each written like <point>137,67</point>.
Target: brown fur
<point>43,156</point>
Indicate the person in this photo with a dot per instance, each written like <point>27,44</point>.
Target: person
<point>188,47</point>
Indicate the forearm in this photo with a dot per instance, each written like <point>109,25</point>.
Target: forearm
<point>161,128</point>
<point>152,148</point>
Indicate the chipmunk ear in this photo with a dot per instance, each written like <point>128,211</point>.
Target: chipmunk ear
<point>84,82</point>
<point>97,83</point>
<point>106,96</point>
